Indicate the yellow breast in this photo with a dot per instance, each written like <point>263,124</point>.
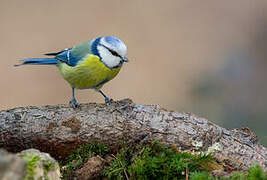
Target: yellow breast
<point>90,73</point>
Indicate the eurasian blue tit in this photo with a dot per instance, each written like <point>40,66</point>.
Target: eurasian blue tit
<point>88,65</point>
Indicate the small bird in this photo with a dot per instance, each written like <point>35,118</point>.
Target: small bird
<point>88,65</point>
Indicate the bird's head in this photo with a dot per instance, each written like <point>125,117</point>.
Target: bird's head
<point>111,50</point>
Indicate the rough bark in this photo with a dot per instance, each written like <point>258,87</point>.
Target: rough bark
<point>60,129</point>
<point>91,169</point>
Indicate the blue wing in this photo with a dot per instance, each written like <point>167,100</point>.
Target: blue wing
<point>67,57</point>
<point>72,56</point>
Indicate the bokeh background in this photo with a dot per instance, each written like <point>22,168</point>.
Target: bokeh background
<point>205,57</point>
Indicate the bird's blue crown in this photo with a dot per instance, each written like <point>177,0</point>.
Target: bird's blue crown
<point>113,41</point>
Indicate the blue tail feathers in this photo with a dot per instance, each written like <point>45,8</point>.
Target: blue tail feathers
<point>38,61</point>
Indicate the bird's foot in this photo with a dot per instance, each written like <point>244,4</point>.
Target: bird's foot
<point>74,103</point>
<point>108,100</point>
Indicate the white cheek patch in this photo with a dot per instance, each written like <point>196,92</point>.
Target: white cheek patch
<point>122,50</point>
<point>107,58</point>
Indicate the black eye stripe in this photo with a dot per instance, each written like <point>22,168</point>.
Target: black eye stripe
<point>114,53</point>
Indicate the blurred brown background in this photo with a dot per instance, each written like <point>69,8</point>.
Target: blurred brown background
<point>205,57</point>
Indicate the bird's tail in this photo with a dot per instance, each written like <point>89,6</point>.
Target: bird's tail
<point>38,61</point>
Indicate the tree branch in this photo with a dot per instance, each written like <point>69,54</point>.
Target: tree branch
<point>59,129</point>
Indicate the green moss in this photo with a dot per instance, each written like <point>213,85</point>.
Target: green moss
<point>80,156</point>
<point>254,173</point>
<point>48,166</point>
<point>118,168</point>
<point>158,161</point>
<point>155,161</point>
<point>32,161</point>
<point>201,176</point>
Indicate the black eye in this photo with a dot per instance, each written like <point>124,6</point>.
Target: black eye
<point>114,53</point>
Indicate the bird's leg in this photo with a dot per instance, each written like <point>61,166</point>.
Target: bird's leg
<point>73,101</point>
<point>107,99</point>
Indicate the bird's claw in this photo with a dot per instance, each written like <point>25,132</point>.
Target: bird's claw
<point>74,104</point>
<point>108,100</point>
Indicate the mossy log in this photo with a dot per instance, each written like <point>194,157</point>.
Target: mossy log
<point>59,129</point>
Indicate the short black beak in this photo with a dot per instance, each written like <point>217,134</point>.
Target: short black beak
<point>125,59</point>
